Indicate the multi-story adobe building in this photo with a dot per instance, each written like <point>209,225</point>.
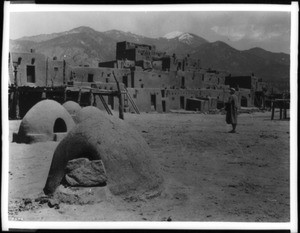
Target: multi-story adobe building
<point>154,80</point>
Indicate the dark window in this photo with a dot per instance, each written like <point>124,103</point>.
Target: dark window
<point>19,60</point>
<point>163,105</point>
<point>107,80</point>
<point>32,61</point>
<point>90,78</point>
<point>125,81</point>
<point>162,93</point>
<point>182,102</point>
<point>55,69</point>
<point>30,74</point>
<point>59,126</point>
<point>179,66</point>
<point>153,101</point>
<point>182,82</point>
<point>244,101</point>
<point>111,101</point>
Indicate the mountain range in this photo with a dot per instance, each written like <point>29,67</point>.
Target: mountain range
<point>84,45</point>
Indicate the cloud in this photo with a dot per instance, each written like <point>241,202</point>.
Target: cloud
<point>232,33</point>
<point>252,32</point>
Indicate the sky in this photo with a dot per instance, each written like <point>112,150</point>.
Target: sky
<point>242,30</point>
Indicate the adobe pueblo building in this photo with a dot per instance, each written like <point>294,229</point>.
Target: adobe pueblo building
<point>141,79</point>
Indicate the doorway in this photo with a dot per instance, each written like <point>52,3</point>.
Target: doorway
<point>111,101</point>
<point>244,101</point>
<point>182,102</point>
<point>182,82</point>
<point>125,81</point>
<point>59,126</point>
<point>153,101</point>
<point>30,71</point>
<point>163,103</point>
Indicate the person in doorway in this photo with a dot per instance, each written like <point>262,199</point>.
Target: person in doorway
<point>231,110</point>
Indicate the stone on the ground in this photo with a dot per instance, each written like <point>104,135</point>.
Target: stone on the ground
<point>82,195</point>
<point>85,172</point>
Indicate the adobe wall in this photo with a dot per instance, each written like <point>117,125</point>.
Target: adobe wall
<point>133,51</point>
<point>176,98</point>
<point>248,94</point>
<point>142,98</point>
<point>177,79</point>
<point>81,74</point>
<point>192,80</point>
<point>171,97</point>
<point>55,73</point>
<point>155,79</point>
<point>37,61</point>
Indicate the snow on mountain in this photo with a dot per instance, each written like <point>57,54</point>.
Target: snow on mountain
<point>173,35</point>
<point>186,37</point>
<point>183,37</point>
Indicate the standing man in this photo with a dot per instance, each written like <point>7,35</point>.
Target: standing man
<point>231,108</point>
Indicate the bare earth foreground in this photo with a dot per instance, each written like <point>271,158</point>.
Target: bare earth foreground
<point>210,175</point>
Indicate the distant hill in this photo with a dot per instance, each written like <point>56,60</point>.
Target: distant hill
<point>271,67</point>
<point>84,45</point>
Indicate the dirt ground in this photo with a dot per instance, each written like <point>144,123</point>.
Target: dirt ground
<point>210,174</point>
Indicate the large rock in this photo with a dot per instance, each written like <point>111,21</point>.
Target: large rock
<point>130,167</point>
<point>86,173</point>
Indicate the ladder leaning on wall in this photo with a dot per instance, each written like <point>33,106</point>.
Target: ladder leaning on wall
<point>135,107</point>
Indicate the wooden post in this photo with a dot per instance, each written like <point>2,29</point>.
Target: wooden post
<point>94,100</point>
<point>65,94</point>
<point>17,103</point>
<point>47,71</point>
<point>280,113</point>
<point>79,96</point>
<point>284,113</point>
<point>285,106</point>
<point>91,98</point>
<point>121,105</point>
<point>273,109</point>
<point>64,72</point>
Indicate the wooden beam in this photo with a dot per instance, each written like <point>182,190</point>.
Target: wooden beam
<point>273,109</point>
<point>121,105</point>
<point>79,97</point>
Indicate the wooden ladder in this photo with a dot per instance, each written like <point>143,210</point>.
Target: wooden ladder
<point>105,105</point>
<point>135,107</point>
